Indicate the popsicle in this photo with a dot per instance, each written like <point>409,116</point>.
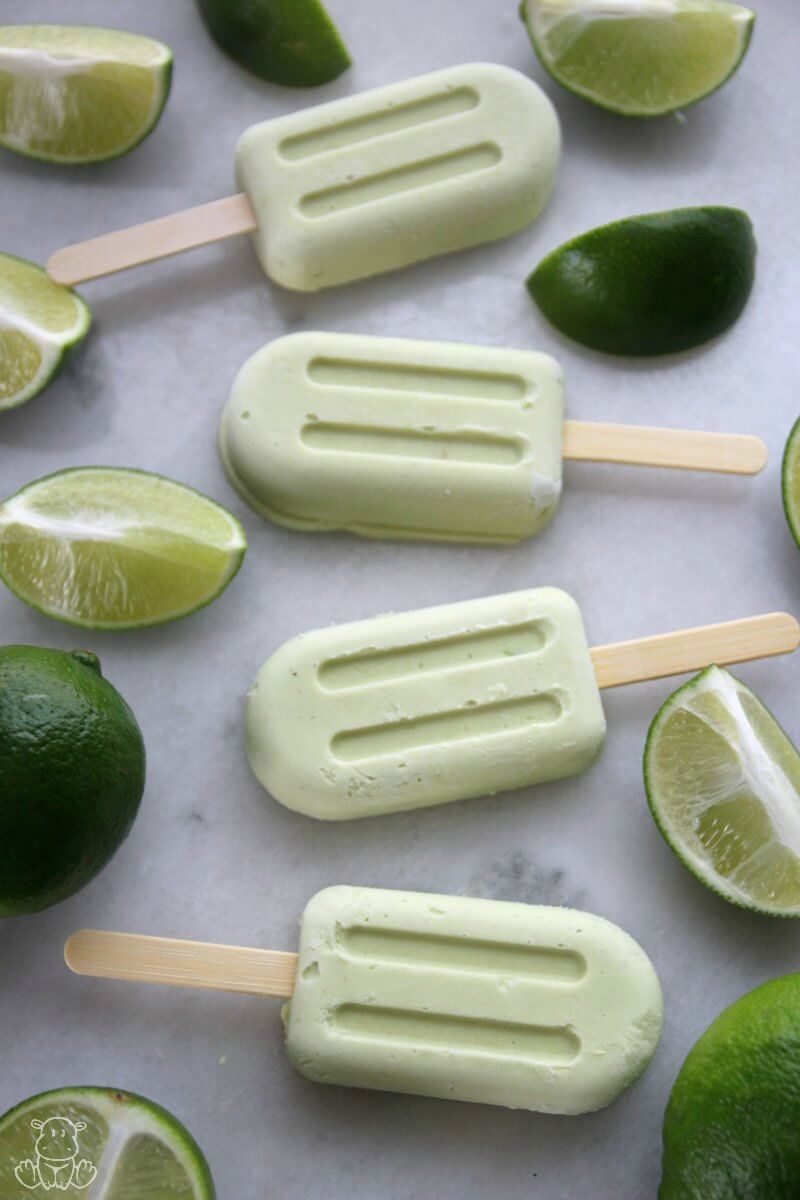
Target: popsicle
<point>462,700</point>
<point>538,1008</point>
<point>393,438</point>
<point>367,183</point>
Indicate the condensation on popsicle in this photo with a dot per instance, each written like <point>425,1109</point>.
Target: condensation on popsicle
<point>529,1007</point>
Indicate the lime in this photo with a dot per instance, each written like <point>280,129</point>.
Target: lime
<point>111,548</point>
<point>730,1130</point>
<point>40,323</point>
<point>723,783</point>
<point>642,58</point>
<point>72,769</point>
<point>69,1137</point>
<point>293,42</point>
<point>78,94</point>
<point>652,284</point>
<point>791,481</point>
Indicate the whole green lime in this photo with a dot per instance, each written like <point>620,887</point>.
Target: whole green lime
<point>72,770</point>
<point>732,1122</point>
<point>651,284</point>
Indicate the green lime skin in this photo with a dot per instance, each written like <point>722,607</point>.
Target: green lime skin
<point>790,481</point>
<point>72,773</point>
<point>652,284</point>
<point>732,1121</point>
<point>292,42</point>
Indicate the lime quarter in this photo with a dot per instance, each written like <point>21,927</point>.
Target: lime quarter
<point>79,94</point>
<point>651,284</point>
<point>40,324</point>
<point>791,481</point>
<point>730,1130</point>
<point>723,784</point>
<point>293,42</point>
<point>72,772</point>
<point>112,548</point>
<point>641,58</point>
<point>105,1144</point>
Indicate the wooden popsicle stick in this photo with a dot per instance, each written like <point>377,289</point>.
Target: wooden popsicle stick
<point>145,243</point>
<point>694,649</point>
<point>181,964</point>
<point>731,453</point>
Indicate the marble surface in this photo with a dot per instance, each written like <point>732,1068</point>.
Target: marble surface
<point>211,856</point>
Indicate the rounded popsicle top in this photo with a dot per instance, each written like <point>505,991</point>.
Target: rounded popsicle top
<point>533,1007</point>
<point>399,174</point>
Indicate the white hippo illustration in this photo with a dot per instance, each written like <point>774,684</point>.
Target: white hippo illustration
<point>57,1164</point>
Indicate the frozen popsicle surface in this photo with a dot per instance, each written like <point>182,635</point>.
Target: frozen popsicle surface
<point>546,1009</point>
<point>399,174</point>
<point>423,708</point>
<point>393,438</point>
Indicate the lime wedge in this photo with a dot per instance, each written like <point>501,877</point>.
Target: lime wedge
<point>642,58</point>
<point>40,323</point>
<point>293,42</point>
<point>651,284</point>
<point>110,548</point>
<point>723,783</point>
<point>791,481</point>
<point>99,1143</point>
<point>78,94</point>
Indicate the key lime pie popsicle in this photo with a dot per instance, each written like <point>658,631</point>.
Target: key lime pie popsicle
<point>415,709</point>
<point>393,438</point>
<point>367,183</point>
<point>537,1008</point>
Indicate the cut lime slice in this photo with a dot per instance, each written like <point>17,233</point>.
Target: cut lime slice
<point>652,284</point>
<point>40,323</point>
<point>642,58</point>
<point>97,1142</point>
<point>78,94</point>
<point>791,481</point>
<point>723,783</point>
<point>110,548</point>
<point>293,42</point>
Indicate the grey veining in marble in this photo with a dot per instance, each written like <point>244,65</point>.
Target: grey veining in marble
<point>211,856</point>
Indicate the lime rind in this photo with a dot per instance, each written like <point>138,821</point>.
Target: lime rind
<point>75,547</point>
<point>119,1120</point>
<point>40,325</point>
<point>77,95</point>
<point>790,481</point>
<point>723,783</point>
<point>640,58</point>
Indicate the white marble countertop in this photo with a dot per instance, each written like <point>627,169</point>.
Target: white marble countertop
<point>211,856</point>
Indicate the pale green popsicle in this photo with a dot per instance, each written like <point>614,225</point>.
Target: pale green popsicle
<point>379,180</point>
<point>394,438</point>
<point>545,1009</point>
<point>428,707</point>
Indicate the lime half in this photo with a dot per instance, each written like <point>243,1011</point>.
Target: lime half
<point>723,783</point>
<point>791,481</point>
<point>40,323</point>
<point>642,58</point>
<point>110,548</point>
<point>96,1142</point>
<point>78,94</point>
<point>651,284</point>
<point>293,42</point>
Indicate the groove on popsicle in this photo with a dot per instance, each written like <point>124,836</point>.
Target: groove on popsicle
<point>480,448</point>
<point>400,377</point>
<point>342,134</point>
<point>475,1035</point>
<point>369,667</point>
<point>414,175</point>
<point>544,963</point>
<point>458,725</point>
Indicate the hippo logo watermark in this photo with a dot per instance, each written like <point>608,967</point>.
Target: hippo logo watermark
<point>58,1165</point>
